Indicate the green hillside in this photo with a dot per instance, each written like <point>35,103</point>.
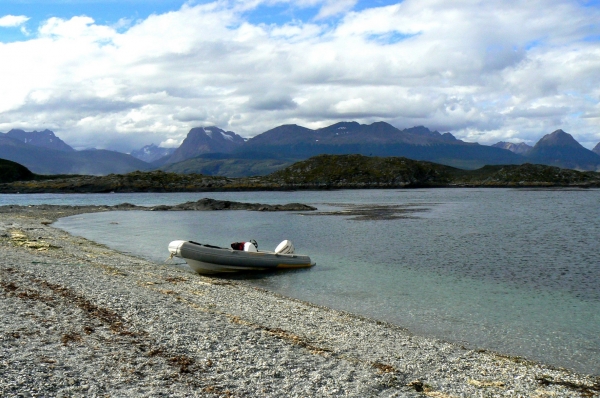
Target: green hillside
<point>358,170</point>
<point>227,167</point>
<point>12,171</point>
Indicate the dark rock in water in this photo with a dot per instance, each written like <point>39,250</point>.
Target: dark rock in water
<point>213,204</point>
<point>205,204</point>
<point>287,207</point>
<point>127,206</point>
<point>161,208</point>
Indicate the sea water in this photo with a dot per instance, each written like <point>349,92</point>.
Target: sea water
<point>515,271</point>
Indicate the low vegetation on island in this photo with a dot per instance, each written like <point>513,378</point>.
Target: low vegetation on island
<point>319,172</point>
<point>12,171</point>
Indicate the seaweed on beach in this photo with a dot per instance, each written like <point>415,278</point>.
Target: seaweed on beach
<point>584,389</point>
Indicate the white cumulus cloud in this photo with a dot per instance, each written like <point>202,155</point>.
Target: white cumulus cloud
<point>11,21</point>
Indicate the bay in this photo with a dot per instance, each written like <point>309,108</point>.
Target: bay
<point>515,271</point>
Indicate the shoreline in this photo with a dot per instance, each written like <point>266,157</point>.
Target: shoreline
<point>4,190</point>
<point>83,319</point>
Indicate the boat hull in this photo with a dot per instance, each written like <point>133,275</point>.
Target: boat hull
<point>206,259</point>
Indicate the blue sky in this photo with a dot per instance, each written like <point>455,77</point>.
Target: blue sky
<point>103,11</point>
<point>110,12</point>
<point>122,74</point>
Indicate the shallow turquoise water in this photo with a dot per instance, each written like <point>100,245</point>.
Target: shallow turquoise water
<point>515,271</point>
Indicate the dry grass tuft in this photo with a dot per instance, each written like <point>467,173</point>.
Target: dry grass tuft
<point>70,338</point>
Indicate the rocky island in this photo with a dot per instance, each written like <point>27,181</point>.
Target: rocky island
<point>204,204</point>
<point>319,172</point>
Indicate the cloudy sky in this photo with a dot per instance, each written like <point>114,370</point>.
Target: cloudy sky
<point>120,74</point>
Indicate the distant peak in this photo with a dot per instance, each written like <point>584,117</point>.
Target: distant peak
<point>45,139</point>
<point>448,137</point>
<point>558,138</point>
<point>203,131</point>
<point>345,124</point>
<point>380,123</point>
<point>341,126</point>
<point>34,132</point>
<point>419,130</point>
<point>521,148</point>
<point>559,133</point>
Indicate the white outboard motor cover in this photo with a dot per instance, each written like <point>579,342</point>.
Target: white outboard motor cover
<point>249,247</point>
<point>285,247</point>
<point>175,246</point>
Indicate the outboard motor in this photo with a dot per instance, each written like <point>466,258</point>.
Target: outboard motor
<point>285,247</point>
<point>250,247</point>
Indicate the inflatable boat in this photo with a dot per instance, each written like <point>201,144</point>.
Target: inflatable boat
<point>242,256</point>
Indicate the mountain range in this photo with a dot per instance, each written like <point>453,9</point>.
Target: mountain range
<point>151,152</point>
<point>202,140</point>
<point>213,151</point>
<point>44,153</point>
<point>561,149</point>
<point>45,139</point>
<point>520,148</point>
<point>290,143</point>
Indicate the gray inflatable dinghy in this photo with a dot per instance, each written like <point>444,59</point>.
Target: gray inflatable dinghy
<point>208,259</point>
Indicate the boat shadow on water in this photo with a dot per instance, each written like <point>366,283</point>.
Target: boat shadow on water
<point>253,275</point>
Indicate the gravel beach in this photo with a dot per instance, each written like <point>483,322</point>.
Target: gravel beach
<point>80,319</point>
